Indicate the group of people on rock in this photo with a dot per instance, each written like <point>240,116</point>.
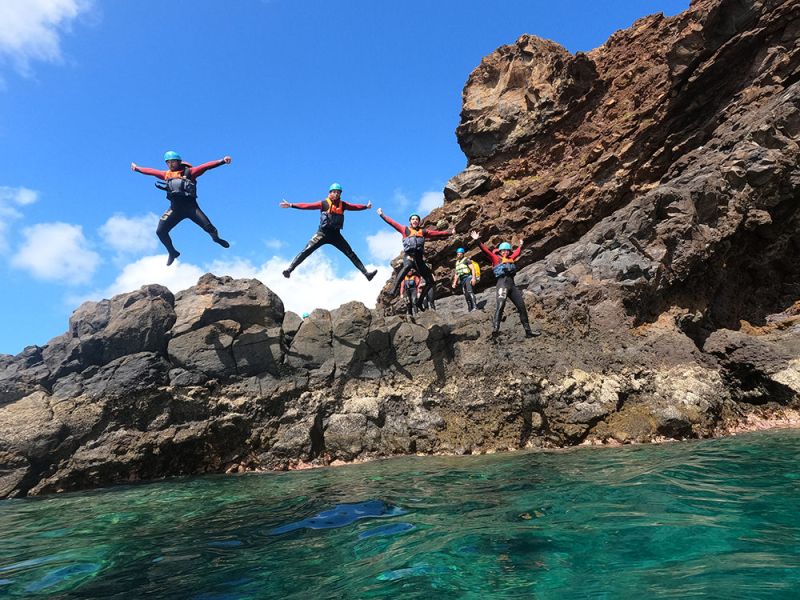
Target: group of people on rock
<point>179,181</point>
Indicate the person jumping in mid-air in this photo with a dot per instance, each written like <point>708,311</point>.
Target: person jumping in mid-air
<point>414,236</point>
<point>466,276</point>
<point>331,222</point>
<point>180,183</point>
<point>504,270</point>
<point>408,290</point>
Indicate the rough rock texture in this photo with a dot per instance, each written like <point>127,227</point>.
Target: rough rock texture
<point>655,182</point>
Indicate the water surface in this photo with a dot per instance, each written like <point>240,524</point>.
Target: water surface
<point>710,519</point>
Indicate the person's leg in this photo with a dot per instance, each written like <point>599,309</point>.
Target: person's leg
<point>317,240</point>
<point>501,293</point>
<point>168,220</point>
<point>469,294</point>
<point>408,263</point>
<point>516,297</point>
<point>200,218</point>
<point>425,272</point>
<point>413,305</point>
<point>338,241</point>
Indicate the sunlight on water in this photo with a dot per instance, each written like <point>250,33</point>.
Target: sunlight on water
<point>690,520</point>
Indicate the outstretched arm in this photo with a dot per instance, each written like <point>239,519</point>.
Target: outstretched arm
<point>489,254</point>
<point>199,170</point>
<point>392,222</point>
<point>433,233</point>
<point>349,206</point>
<point>148,171</point>
<point>301,205</point>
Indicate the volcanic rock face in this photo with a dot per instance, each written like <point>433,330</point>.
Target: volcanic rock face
<point>657,174</point>
<point>655,183</point>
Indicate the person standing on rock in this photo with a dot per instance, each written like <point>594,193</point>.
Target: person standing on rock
<point>331,222</point>
<point>180,183</point>
<point>504,269</point>
<point>465,275</point>
<point>414,236</point>
<point>408,290</point>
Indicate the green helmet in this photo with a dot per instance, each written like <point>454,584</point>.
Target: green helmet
<point>171,155</point>
<point>335,187</point>
<point>504,246</point>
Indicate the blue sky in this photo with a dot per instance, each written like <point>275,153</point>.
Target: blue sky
<point>301,93</point>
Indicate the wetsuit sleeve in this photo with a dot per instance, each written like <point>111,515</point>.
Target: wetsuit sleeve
<point>349,206</point>
<point>395,224</point>
<point>153,172</point>
<point>489,254</point>
<point>199,170</point>
<point>307,205</point>
<point>515,253</point>
<point>433,233</point>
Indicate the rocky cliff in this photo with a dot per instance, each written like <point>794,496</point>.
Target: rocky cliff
<point>655,181</point>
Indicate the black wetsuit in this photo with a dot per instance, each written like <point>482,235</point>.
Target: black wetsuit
<point>329,232</point>
<point>179,210</point>
<point>410,292</point>
<point>466,286</point>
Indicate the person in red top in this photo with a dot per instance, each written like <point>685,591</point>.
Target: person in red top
<point>180,183</point>
<point>408,289</point>
<point>331,222</point>
<point>414,236</point>
<point>504,268</point>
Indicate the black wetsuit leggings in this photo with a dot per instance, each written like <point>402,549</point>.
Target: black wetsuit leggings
<point>177,212</point>
<point>414,261</point>
<point>507,289</point>
<point>334,238</point>
<point>411,300</point>
<point>469,293</point>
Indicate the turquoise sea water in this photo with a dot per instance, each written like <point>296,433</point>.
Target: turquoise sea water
<point>710,519</point>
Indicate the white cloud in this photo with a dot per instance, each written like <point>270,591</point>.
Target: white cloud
<point>31,29</point>
<point>10,199</point>
<point>314,284</point>
<point>130,234</point>
<point>429,201</point>
<point>385,245</point>
<point>153,269</point>
<point>274,244</point>
<point>56,252</point>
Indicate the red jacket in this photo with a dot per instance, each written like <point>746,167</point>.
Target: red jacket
<point>194,172</point>
<point>318,205</point>
<point>495,257</point>
<point>427,233</point>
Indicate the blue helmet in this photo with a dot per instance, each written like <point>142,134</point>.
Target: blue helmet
<point>459,251</point>
<point>171,155</point>
<point>504,246</point>
<point>306,315</point>
<point>335,187</point>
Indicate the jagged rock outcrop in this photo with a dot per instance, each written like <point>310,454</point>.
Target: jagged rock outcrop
<point>655,181</point>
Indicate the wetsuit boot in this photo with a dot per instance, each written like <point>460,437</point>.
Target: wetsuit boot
<point>528,332</point>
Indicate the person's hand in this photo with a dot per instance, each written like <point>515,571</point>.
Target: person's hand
<point>133,166</point>
<point>520,243</point>
<point>454,285</point>
<point>227,160</point>
<point>369,204</point>
<point>380,212</point>
<point>474,235</point>
<point>285,204</point>
<point>474,281</point>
